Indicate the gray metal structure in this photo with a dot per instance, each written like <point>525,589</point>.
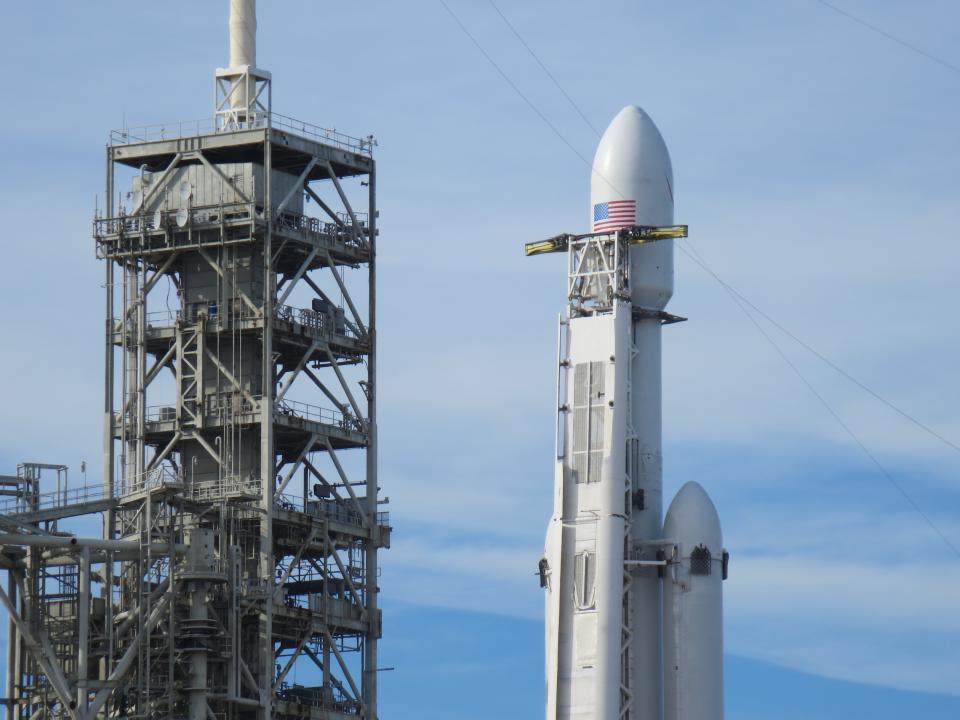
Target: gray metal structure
<point>240,522</point>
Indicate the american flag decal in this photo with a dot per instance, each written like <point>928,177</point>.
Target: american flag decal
<point>614,214</point>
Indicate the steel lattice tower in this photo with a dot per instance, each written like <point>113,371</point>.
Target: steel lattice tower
<point>239,500</point>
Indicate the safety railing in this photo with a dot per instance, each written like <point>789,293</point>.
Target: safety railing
<point>226,487</point>
<point>328,136</point>
<point>208,126</point>
<point>209,565</point>
<point>329,509</point>
<point>160,413</point>
<point>316,413</point>
<point>322,698</point>
<point>198,217</point>
<point>163,131</point>
<point>160,476</point>
<point>231,404</point>
<point>238,403</point>
<point>342,230</point>
<point>227,314</point>
<point>323,415</point>
<point>325,232</point>
<point>324,323</point>
<point>162,318</point>
<point>50,500</point>
<point>172,224</point>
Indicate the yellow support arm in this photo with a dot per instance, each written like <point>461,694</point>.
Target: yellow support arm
<point>635,235</point>
<point>558,243</point>
<point>640,234</point>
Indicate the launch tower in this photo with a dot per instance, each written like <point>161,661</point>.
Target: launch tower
<point>236,574</point>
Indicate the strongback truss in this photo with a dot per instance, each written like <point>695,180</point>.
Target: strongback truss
<point>237,572</point>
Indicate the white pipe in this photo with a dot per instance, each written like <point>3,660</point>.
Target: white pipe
<point>65,541</point>
<point>243,33</point>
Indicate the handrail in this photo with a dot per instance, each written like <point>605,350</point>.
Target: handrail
<point>325,323</point>
<point>155,477</point>
<point>329,509</point>
<point>322,415</point>
<point>324,698</point>
<point>208,126</point>
<point>137,222</point>
<point>23,503</point>
<point>289,408</point>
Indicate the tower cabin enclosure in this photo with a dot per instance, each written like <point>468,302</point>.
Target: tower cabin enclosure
<point>236,574</point>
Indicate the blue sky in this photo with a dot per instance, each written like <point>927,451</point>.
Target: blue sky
<point>816,164</point>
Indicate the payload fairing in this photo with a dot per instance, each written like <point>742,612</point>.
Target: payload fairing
<point>633,604</point>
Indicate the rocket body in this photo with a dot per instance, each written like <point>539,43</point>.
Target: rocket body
<point>605,553</point>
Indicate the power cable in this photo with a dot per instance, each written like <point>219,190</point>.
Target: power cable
<point>545,69</point>
<point>820,356</point>
<point>736,298</point>
<point>513,85</point>
<point>890,36</point>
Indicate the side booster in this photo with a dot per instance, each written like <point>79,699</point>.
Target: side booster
<point>633,604</point>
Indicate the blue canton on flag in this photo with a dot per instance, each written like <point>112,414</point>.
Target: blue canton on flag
<point>600,211</point>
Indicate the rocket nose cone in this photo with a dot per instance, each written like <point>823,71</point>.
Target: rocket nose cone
<point>632,164</point>
<point>693,520</point>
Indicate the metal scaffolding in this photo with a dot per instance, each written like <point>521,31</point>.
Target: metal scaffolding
<point>236,573</point>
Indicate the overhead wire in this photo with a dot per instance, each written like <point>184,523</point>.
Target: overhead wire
<point>890,36</point>
<point>823,358</point>
<point>737,297</point>
<point>545,69</point>
<point>513,85</point>
<point>742,303</point>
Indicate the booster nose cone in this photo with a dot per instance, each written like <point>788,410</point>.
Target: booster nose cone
<point>632,184</point>
<point>692,520</point>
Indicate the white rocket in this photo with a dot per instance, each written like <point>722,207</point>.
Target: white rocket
<point>633,603</point>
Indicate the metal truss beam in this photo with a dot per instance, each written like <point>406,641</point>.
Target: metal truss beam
<point>304,266</point>
<point>41,651</point>
<point>297,186</point>
<point>346,481</point>
<point>234,383</point>
<point>323,206</point>
<point>346,294</point>
<point>344,199</point>
<point>307,447</point>
<point>296,371</point>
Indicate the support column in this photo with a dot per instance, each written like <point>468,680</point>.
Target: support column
<point>13,680</point>
<point>369,681</point>
<point>83,641</point>
<point>267,455</point>
<point>200,561</point>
